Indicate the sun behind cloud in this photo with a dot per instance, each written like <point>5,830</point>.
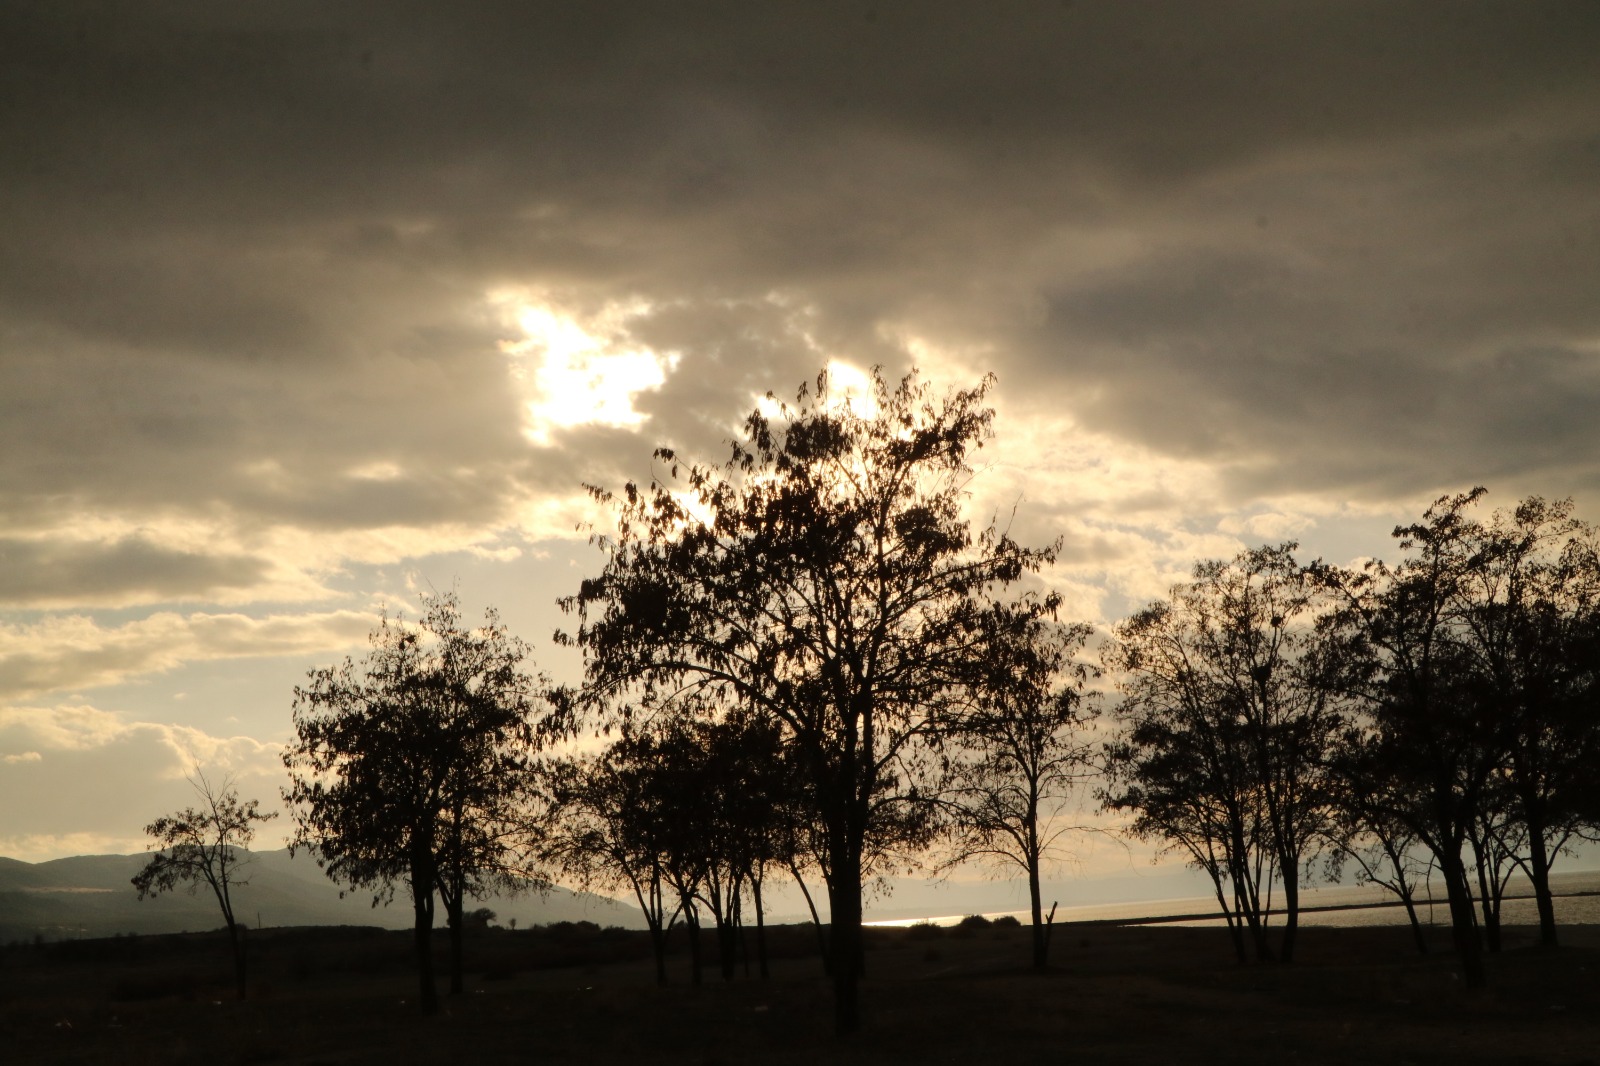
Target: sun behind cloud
<point>579,370</point>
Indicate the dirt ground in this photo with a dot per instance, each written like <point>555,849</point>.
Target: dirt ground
<point>1113,995</point>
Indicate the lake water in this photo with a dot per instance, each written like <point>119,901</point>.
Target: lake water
<point>1577,903</point>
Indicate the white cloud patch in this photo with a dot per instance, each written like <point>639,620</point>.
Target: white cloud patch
<point>1269,525</point>
<point>92,779</point>
<point>75,652</point>
<point>579,370</point>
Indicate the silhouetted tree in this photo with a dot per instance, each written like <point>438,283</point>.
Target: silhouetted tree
<point>1230,731</point>
<point>1427,727</point>
<point>742,797</point>
<point>1530,606</point>
<point>205,845</point>
<point>411,767</point>
<point>712,794</point>
<point>609,827</point>
<point>1022,753</point>
<point>822,577</point>
<point>1366,830</point>
<point>767,804</point>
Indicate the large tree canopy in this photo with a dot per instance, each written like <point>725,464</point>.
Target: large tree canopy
<point>1225,754</point>
<point>824,577</point>
<point>1473,664</point>
<point>410,768</point>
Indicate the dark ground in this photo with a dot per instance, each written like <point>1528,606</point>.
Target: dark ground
<point>576,994</point>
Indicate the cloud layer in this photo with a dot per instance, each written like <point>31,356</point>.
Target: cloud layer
<point>249,254</point>
<point>122,774</point>
<point>295,297</point>
<point>75,652</point>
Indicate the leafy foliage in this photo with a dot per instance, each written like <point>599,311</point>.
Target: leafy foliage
<point>1230,730</point>
<point>1473,664</point>
<point>412,767</point>
<point>1022,752</point>
<point>825,578</point>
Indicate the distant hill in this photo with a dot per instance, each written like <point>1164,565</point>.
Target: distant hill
<point>91,896</point>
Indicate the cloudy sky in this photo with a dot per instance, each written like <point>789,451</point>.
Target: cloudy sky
<point>306,307</point>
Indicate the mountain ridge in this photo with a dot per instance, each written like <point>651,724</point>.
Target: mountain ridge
<point>92,896</point>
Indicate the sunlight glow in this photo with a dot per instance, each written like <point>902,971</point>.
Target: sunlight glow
<point>697,509</point>
<point>850,388</point>
<point>579,370</point>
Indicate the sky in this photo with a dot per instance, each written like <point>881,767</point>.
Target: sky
<point>309,308</point>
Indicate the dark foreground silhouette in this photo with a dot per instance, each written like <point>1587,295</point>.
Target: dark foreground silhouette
<point>578,993</point>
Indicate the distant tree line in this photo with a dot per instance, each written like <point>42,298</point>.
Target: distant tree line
<point>1276,714</point>
<point>804,663</point>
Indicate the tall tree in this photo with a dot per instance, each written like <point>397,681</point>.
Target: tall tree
<point>1365,828</point>
<point>1530,607</point>
<point>609,825</point>
<point>824,577</point>
<point>411,767</point>
<point>741,799</point>
<point>1229,730</point>
<point>1406,658</point>
<point>1021,753</point>
<point>206,845</point>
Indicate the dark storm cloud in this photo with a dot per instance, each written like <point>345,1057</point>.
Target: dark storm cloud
<point>1347,246</point>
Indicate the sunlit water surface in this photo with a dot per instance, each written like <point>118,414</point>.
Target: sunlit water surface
<point>1577,903</point>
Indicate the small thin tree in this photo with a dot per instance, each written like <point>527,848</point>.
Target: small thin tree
<point>607,829</point>
<point>1023,751</point>
<point>205,845</point>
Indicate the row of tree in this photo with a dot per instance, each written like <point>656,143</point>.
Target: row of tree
<point>1447,706</point>
<point>809,663</point>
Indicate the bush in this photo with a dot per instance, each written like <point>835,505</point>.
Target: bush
<point>974,921</point>
<point>1007,921</point>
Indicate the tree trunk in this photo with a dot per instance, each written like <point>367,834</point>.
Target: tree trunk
<point>219,888</point>
<point>1416,924</point>
<point>816,921</point>
<point>1247,899</point>
<point>1041,937</point>
<point>1291,912</point>
<point>727,946</point>
<point>658,944</point>
<point>1403,889</point>
<point>236,941</point>
<point>844,899</point>
<point>1488,901</point>
<point>1463,923</point>
<point>457,931</point>
<point>761,928</point>
<point>1248,904</point>
<point>1539,863</point>
<point>691,923</point>
<point>1235,932</point>
<point>655,921</point>
<point>422,934</point>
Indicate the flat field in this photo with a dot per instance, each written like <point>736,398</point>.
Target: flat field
<point>581,995</point>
